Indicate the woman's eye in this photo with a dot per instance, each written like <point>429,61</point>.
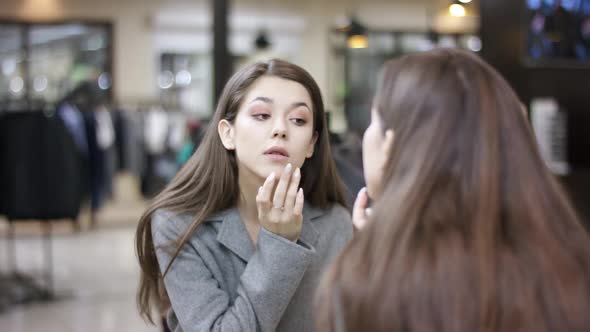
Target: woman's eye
<point>298,121</point>
<point>261,116</point>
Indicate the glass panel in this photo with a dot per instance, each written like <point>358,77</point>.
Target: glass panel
<point>11,63</point>
<point>447,41</point>
<point>381,43</point>
<point>411,42</point>
<point>185,82</point>
<point>353,90</point>
<point>63,56</point>
<point>470,42</point>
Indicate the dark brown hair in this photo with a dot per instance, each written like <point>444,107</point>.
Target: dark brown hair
<point>472,232</point>
<point>209,181</point>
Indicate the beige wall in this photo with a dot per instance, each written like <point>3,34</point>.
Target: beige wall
<point>135,63</point>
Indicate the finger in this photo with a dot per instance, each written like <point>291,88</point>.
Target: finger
<point>358,210</point>
<point>280,192</point>
<point>359,223</point>
<point>264,194</point>
<point>298,208</point>
<point>292,192</point>
<point>360,204</point>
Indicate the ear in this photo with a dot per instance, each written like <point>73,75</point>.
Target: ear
<point>311,147</point>
<point>387,143</point>
<point>226,134</point>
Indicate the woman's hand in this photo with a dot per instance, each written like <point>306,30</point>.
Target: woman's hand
<point>360,212</point>
<point>281,213</point>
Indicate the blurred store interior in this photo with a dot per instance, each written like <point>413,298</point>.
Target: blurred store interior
<point>101,102</point>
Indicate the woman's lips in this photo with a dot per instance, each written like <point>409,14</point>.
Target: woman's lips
<point>276,157</point>
<point>276,153</point>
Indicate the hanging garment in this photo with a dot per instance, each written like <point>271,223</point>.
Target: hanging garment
<point>105,132</point>
<point>155,131</point>
<point>41,172</point>
<point>134,146</point>
<point>74,121</point>
<point>96,162</point>
<point>176,130</point>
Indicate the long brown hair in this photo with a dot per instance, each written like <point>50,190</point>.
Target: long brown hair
<point>471,233</point>
<point>209,181</point>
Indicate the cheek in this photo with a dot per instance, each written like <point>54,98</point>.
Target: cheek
<point>302,138</point>
<point>300,146</point>
<point>371,160</point>
<point>247,142</point>
<point>370,141</point>
<point>248,132</point>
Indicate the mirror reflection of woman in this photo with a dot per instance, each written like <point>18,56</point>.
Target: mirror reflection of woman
<point>238,240</point>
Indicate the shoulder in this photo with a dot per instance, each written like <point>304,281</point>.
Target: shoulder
<point>169,224</point>
<point>172,224</point>
<point>337,213</point>
<point>335,228</point>
<point>334,218</point>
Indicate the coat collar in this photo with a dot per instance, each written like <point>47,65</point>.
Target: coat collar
<point>233,234</point>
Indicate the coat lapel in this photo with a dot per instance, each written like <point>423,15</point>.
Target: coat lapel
<point>234,236</point>
<point>309,234</point>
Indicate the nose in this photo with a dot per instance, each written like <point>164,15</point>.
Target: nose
<point>279,129</point>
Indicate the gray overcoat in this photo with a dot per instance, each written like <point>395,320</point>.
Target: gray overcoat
<point>222,282</point>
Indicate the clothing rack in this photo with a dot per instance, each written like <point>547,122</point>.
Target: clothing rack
<point>32,290</point>
<point>37,182</point>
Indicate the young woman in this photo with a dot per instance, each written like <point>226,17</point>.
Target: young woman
<point>469,231</point>
<point>240,236</point>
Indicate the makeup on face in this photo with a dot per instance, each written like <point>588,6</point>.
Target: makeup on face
<point>274,126</point>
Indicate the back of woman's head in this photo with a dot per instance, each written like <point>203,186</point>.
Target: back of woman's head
<point>471,232</point>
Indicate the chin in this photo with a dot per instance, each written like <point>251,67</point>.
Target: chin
<point>371,192</point>
<point>277,168</point>
<point>264,172</point>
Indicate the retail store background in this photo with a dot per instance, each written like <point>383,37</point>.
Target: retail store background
<point>93,263</point>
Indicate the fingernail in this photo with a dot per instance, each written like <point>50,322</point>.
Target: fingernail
<point>297,172</point>
<point>362,191</point>
<point>272,176</point>
<point>300,192</point>
<point>288,168</point>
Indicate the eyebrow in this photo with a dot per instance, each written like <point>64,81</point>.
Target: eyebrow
<point>270,101</point>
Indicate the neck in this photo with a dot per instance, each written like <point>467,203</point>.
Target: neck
<point>249,184</point>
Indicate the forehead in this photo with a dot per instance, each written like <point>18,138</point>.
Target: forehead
<point>280,90</point>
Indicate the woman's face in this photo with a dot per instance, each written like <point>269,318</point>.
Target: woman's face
<point>376,151</point>
<point>273,127</point>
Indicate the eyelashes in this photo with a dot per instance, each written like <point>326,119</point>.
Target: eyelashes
<point>264,117</point>
<point>261,117</point>
<point>299,121</point>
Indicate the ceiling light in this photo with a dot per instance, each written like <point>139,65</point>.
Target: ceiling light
<point>457,10</point>
<point>357,35</point>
